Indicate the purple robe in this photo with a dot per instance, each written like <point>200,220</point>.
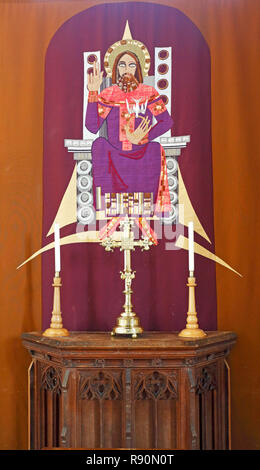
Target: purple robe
<point>138,168</point>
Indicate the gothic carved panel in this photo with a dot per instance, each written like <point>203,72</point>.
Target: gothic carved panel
<point>156,385</point>
<point>51,379</point>
<point>206,380</point>
<point>101,385</point>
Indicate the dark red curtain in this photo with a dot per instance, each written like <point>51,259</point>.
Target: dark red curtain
<point>92,289</point>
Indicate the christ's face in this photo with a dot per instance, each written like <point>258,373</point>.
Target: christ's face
<point>126,65</point>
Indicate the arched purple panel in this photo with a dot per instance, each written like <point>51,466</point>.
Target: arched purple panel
<point>91,294</point>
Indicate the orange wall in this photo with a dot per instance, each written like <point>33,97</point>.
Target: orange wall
<point>231,28</point>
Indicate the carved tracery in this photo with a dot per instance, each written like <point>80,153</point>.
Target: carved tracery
<point>157,386</point>
<point>101,386</point>
<point>51,379</point>
<point>206,381</point>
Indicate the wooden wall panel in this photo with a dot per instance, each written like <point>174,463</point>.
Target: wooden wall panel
<point>89,423</point>
<point>143,424</point>
<point>168,428</point>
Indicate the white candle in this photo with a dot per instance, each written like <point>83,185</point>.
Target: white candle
<point>57,247</point>
<point>191,247</point>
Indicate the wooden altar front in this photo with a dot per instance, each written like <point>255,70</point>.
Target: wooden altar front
<point>91,390</point>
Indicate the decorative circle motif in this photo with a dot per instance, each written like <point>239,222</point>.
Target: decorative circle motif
<point>163,54</point>
<point>172,165</point>
<point>162,69</point>
<point>125,45</point>
<point>84,167</point>
<point>162,84</point>
<point>86,214</point>
<point>172,216</point>
<point>172,182</point>
<point>173,197</point>
<point>85,198</point>
<point>85,183</point>
<point>165,99</point>
<point>92,58</point>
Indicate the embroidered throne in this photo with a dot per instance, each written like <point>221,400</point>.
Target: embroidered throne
<point>81,149</point>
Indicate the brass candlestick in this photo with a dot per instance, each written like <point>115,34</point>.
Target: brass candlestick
<point>56,327</point>
<point>128,322</point>
<point>192,329</point>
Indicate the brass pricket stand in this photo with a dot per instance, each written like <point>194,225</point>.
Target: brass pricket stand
<point>127,323</point>
<point>56,327</point>
<point>192,329</point>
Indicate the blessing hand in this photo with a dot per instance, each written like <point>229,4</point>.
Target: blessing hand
<point>140,132</point>
<point>95,78</point>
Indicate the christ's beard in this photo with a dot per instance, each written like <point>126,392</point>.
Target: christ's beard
<point>127,82</point>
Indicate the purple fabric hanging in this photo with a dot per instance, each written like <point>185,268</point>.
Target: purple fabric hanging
<point>91,294</point>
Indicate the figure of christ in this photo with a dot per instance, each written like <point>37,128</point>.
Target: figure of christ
<point>128,160</point>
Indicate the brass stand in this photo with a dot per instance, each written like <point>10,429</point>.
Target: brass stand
<point>56,327</point>
<point>192,329</point>
<point>127,323</point>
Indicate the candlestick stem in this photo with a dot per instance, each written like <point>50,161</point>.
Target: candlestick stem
<point>128,322</point>
<point>192,329</point>
<point>56,327</point>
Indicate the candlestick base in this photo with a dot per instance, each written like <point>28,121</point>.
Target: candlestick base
<point>192,333</point>
<point>56,327</point>
<point>127,325</point>
<point>52,332</point>
<point>192,329</point>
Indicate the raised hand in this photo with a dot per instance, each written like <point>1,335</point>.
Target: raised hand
<point>95,78</point>
<point>140,132</point>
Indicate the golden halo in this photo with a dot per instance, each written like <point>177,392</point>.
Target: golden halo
<point>125,45</point>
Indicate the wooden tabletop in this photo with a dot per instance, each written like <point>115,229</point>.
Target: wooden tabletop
<point>148,340</point>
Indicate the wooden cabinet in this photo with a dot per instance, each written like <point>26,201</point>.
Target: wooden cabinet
<point>91,390</point>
